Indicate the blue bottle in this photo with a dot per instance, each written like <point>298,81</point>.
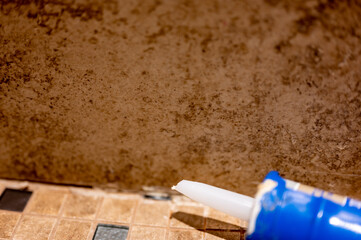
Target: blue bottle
<point>286,210</point>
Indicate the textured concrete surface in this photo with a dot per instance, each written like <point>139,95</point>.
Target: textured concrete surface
<point>145,93</point>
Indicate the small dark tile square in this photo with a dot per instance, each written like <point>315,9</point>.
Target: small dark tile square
<point>110,232</point>
<point>14,200</point>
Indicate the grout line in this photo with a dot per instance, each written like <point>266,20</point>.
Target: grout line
<point>22,214</point>
<point>58,217</point>
<point>206,215</point>
<point>52,216</point>
<point>124,223</point>
<point>170,212</point>
<point>93,227</point>
<point>99,205</point>
<point>139,201</point>
<point>128,223</point>
<point>133,224</point>
<point>111,223</point>
<point>40,215</point>
<point>188,229</point>
<point>94,221</point>
<point>16,226</point>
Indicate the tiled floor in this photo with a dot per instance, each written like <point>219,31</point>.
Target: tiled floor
<point>73,213</point>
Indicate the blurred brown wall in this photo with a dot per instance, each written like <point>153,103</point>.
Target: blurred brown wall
<point>128,94</point>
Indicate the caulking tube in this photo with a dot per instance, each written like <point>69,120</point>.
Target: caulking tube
<point>284,210</point>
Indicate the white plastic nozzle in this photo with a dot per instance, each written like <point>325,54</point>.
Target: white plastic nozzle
<point>232,203</point>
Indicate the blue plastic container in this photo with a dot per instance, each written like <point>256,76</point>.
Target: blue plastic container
<point>286,210</point>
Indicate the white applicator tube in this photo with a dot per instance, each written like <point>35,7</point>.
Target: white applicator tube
<point>283,210</point>
<point>234,204</point>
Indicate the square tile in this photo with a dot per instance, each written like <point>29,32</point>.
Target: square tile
<point>14,200</point>
<point>8,222</point>
<point>153,213</point>
<point>220,220</point>
<point>46,201</point>
<point>221,235</point>
<point>80,206</point>
<point>117,210</point>
<point>187,217</point>
<point>72,230</point>
<point>34,228</point>
<point>185,235</point>
<point>148,233</point>
<point>111,232</point>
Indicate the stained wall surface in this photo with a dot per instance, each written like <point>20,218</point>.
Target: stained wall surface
<point>128,94</point>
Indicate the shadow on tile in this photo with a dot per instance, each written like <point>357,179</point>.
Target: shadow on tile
<point>224,235</point>
<point>191,219</point>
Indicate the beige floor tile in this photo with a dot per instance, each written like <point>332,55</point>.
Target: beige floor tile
<point>185,235</point>
<point>187,217</point>
<point>46,201</point>
<point>220,220</point>
<point>80,206</point>
<point>72,230</point>
<point>153,213</point>
<point>34,228</point>
<point>147,233</point>
<point>218,235</point>
<point>117,210</point>
<point>8,222</point>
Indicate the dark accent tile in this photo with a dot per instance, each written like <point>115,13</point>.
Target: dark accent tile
<point>110,232</point>
<point>14,200</point>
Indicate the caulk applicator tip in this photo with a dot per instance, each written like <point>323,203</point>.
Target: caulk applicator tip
<point>232,203</point>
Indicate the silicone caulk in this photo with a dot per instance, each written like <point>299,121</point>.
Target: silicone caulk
<point>284,210</point>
